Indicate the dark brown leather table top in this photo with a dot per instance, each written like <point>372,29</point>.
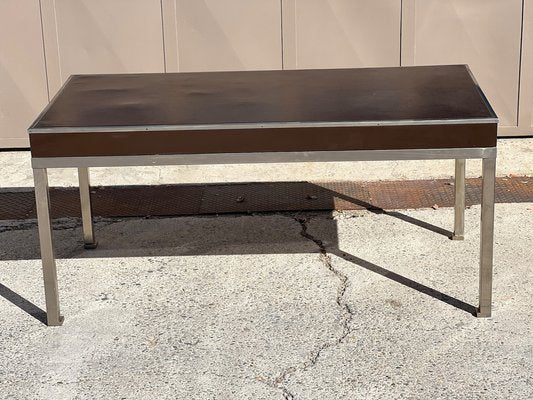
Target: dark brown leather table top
<point>256,111</point>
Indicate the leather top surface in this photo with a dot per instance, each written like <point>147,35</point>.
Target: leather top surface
<point>210,99</point>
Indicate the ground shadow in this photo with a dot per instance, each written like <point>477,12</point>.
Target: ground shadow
<point>22,303</point>
<point>436,294</point>
<point>205,235</point>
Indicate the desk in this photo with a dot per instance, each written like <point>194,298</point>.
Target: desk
<point>397,113</point>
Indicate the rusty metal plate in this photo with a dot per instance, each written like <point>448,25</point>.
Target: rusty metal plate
<point>168,200</point>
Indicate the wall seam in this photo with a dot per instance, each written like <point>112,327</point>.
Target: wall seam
<point>520,65</point>
<point>57,44</point>
<point>177,36</point>
<point>281,34</point>
<point>163,36</point>
<point>44,50</point>
<point>401,30</point>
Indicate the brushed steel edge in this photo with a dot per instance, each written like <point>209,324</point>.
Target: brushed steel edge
<point>264,157</point>
<point>50,103</point>
<point>260,125</point>
<point>481,93</point>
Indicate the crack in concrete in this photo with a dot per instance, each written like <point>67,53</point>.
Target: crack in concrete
<point>60,224</point>
<point>314,355</point>
<point>277,383</point>
<point>21,226</point>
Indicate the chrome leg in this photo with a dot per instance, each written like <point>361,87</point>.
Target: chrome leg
<point>42,200</point>
<point>487,238</point>
<point>459,221</point>
<point>86,210</point>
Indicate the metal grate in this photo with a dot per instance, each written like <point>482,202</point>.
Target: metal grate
<point>166,200</point>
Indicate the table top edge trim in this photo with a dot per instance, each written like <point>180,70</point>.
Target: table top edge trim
<point>259,125</point>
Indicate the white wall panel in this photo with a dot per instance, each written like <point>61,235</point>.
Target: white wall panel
<point>23,91</point>
<point>341,33</point>
<point>485,34</point>
<point>214,35</point>
<point>101,36</point>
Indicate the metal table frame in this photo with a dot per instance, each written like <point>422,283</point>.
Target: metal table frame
<point>487,154</point>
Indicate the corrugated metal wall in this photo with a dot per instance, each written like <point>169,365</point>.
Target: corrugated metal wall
<point>42,42</point>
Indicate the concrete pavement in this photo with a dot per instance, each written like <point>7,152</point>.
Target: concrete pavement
<point>282,306</point>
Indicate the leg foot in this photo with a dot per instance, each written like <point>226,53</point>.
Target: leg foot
<point>483,313</point>
<point>54,321</point>
<point>90,246</point>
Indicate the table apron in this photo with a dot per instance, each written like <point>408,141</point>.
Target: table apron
<point>264,157</point>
